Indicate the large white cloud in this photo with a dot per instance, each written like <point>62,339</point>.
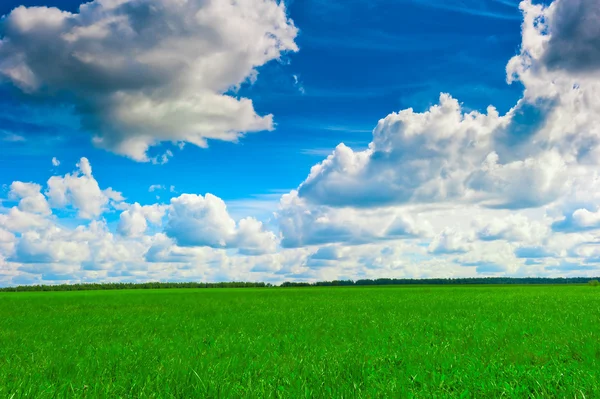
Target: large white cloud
<point>30,197</point>
<point>141,72</point>
<point>440,155</point>
<point>196,220</point>
<point>133,222</point>
<point>302,223</point>
<point>18,221</point>
<point>192,237</point>
<point>539,161</point>
<point>81,191</point>
<point>38,248</point>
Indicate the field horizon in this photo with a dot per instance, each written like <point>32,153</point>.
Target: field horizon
<point>297,284</point>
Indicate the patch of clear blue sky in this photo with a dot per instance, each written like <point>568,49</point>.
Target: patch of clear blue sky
<point>359,60</point>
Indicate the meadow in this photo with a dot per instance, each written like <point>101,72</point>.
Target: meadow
<point>355,342</point>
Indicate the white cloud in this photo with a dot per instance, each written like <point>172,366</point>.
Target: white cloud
<point>74,252</point>
<point>163,249</point>
<point>30,197</point>
<point>449,241</point>
<point>194,220</point>
<point>252,238</point>
<point>16,220</point>
<point>7,244</point>
<point>513,228</point>
<point>49,246</point>
<point>36,246</point>
<point>133,221</point>
<point>584,218</point>
<point>80,190</point>
<point>541,155</point>
<point>413,157</point>
<point>55,161</point>
<point>155,187</point>
<point>440,155</point>
<point>149,71</point>
<point>302,224</point>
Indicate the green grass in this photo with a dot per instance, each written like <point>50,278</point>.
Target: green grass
<point>431,342</point>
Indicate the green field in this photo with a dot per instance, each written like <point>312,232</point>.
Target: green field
<point>359,342</point>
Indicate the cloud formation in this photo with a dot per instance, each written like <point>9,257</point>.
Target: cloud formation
<point>142,72</point>
<point>192,232</point>
<point>441,193</point>
<point>538,162</point>
<point>196,220</point>
<point>81,191</point>
<point>574,36</point>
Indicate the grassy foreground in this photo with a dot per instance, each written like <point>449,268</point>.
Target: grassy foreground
<point>463,342</point>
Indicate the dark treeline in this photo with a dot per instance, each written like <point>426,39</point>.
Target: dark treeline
<point>129,286</point>
<point>445,281</point>
<point>366,282</point>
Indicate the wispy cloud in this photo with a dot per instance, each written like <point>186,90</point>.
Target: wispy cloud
<point>10,137</point>
<point>260,206</point>
<point>366,92</point>
<point>318,152</point>
<point>381,41</point>
<point>514,4</point>
<point>481,8</point>
<point>327,126</point>
<point>472,7</point>
<point>326,151</point>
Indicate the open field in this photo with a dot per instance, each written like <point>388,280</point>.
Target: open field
<point>484,341</point>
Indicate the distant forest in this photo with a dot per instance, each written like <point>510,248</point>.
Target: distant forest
<point>347,283</point>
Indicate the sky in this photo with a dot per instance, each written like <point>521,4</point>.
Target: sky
<point>259,140</point>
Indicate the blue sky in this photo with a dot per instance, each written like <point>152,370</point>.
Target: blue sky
<point>328,72</point>
<point>357,62</point>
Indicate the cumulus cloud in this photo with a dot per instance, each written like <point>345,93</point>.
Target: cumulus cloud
<point>301,223</point>
<point>81,191</point>
<point>30,197</point>
<point>18,221</point>
<point>439,155</point>
<point>586,219</point>
<point>133,222</point>
<point>55,161</point>
<point>164,249</point>
<point>574,36</point>
<point>489,191</point>
<point>512,228</point>
<point>449,241</point>
<point>50,246</point>
<point>413,157</point>
<point>253,239</point>
<point>149,71</point>
<point>191,236</point>
<point>196,220</point>
<point>61,251</point>
<point>542,153</point>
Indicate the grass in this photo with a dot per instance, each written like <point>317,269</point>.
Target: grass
<point>431,342</point>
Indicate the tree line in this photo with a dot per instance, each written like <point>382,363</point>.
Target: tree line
<point>446,281</point>
<point>131,286</point>
<point>362,282</point>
